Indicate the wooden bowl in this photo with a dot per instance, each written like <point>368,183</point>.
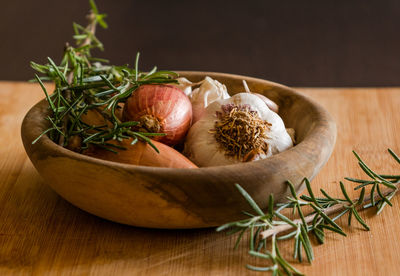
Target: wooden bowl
<point>185,198</point>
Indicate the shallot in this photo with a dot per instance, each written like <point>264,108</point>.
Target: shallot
<point>160,109</point>
<point>142,154</point>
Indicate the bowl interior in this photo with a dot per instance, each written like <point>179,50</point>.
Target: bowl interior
<point>186,198</point>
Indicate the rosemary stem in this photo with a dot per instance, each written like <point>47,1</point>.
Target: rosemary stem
<point>91,27</point>
<point>328,211</point>
<point>65,119</point>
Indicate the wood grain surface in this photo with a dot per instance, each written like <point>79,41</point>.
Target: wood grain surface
<point>42,234</point>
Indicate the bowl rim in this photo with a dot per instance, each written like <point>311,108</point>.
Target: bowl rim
<point>52,148</point>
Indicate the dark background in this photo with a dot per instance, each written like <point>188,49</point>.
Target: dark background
<point>298,43</point>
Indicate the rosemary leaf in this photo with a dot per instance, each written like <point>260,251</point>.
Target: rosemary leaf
<point>52,106</point>
<point>250,200</point>
<point>360,220</point>
<point>397,158</point>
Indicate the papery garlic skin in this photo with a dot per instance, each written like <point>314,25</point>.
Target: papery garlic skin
<point>209,91</point>
<point>185,85</point>
<point>202,148</point>
<point>271,104</point>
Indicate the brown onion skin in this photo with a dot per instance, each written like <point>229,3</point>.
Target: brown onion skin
<point>142,154</point>
<point>168,104</point>
<point>93,117</point>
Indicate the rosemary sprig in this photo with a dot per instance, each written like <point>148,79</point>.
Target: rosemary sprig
<point>83,84</point>
<point>273,224</point>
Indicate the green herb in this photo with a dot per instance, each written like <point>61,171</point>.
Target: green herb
<point>83,84</point>
<point>273,224</point>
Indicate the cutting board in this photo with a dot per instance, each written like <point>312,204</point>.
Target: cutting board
<point>42,234</point>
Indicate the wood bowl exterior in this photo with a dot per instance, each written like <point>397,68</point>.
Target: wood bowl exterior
<point>185,198</point>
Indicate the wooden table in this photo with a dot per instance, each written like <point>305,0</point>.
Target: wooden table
<point>40,233</point>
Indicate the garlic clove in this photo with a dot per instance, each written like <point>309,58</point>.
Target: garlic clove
<point>271,104</point>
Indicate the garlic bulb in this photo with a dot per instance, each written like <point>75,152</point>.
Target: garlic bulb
<point>238,129</point>
<point>209,90</point>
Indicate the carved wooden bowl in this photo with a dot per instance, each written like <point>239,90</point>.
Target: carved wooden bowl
<point>185,198</point>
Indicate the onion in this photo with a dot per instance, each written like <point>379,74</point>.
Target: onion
<point>94,117</point>
<point>142,154</point>
<point>160,109</point>
<point>74,143</point>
